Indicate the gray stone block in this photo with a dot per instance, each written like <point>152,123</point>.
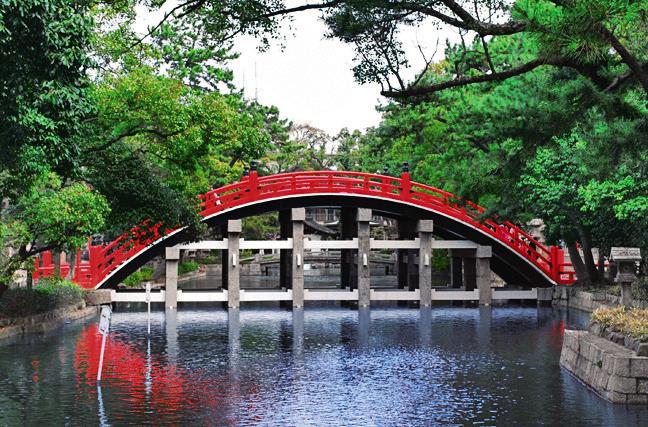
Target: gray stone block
<point>98,297</point>
<point>637,399</point>
<point>621,366</point>
<point>642,349</point>
<point>616,397</point>
<point>642,386</point>
<point>622,384</point>
<point>639,367</point>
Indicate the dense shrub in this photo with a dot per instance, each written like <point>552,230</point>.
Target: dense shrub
<point>640,288</point>
<point>144,274</point>
<point>632,322</point>
<point>48,294</point>
<point>187,267</point>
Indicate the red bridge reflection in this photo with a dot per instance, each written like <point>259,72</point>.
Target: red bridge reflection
<point>151,382</point>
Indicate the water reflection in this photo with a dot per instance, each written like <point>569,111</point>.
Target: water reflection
<point>319,366</point>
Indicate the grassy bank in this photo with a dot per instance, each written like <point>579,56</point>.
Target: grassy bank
<point>48,294</point>
<point>631,322</point>
<point>145,274</point>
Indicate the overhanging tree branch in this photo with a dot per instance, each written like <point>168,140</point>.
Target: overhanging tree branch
<point>414,91</point>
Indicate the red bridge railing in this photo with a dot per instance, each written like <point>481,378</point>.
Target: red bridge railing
<point>104,259</point>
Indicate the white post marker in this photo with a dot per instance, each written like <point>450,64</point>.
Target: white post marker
<point>104,327</point>
<point>148,303</point>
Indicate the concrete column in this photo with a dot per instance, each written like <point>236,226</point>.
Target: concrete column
<point>470,273</point>
<point>456,272</point>
<point>233,263</point>
<point>425,228</point>
<point>224,259</point>
<point>285,255</point>
<point>412,270</point>
<point>348,230</point>
<point>401,268</point>
<point>297,277</point>
<point>406,263</point>
<point>483,274</point>
<point>172,257</point>
<point>364,253</point>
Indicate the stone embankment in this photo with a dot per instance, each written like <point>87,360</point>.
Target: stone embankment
<point>44,322</point>
<point>566,296</point>
<point>612,365</point>
<point>613,371</point>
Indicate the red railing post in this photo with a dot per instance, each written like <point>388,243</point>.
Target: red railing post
<point>555,263</point>
<point>254,179</point>
<point>406,184</point>
<point>36,272</point>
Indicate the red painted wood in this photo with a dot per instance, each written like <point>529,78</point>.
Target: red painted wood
<point>103,260</point>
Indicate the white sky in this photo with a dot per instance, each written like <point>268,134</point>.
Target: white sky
<point>311,80</point>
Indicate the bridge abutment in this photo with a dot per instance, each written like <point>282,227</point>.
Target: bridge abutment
<point>298,215</point>
<point>476,271</point>
<point>233,263</point>
<point>483,274</point>
<point>348,230</point>
<point>172,259</point>
<point>425,228</point>
<point>456,271</point>
<point>364,250</point>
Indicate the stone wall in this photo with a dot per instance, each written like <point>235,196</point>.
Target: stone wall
<point>44,322</point>
<point>613,371</point>
<point>569,296</point>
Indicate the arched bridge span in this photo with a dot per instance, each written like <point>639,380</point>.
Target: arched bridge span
<point>517,257</point>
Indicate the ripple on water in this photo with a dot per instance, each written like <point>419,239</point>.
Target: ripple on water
<point>331,366</point>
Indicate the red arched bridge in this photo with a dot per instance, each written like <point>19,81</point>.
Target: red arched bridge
<point>517,257</point>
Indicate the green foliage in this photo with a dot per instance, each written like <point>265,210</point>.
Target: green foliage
<point>48,294</point>
<point>213,258</point>
<point>43,89</point>
<point>144,274</point>
<point>440,260</point>
<point>261,227</point>
<point>67,215</point>
<point>187,267</point>
<point>631,322</point>
<point>640,288</point>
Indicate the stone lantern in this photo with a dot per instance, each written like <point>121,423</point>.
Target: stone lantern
<point>625,260</point>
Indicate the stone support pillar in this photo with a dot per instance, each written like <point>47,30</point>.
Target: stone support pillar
<point>470,273</point>
<point>297,276</point>
<point>364,254</point>
<point>224,258</point>
<point>456,272</point>
<point>406,268</point>
<point>172,258</point>
<point>348,230</point>
<point>285,255</point>
<point>233,263</point>
<point>483,274</point>
<point>425,228</point>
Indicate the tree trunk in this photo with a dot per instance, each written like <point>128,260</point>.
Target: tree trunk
<point>583,278</point>
<point>56,260</point>
<point>30,280</point>
<point>586,244</point>
<point>601,266</point>
<point>73,257</point>
<point>23,254</point>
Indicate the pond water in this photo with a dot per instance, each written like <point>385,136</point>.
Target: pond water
<point>322,366</point>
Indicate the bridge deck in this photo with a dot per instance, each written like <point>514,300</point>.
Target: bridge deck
<point>328,295</point>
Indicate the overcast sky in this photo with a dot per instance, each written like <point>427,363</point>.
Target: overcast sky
<point>311,79</point>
